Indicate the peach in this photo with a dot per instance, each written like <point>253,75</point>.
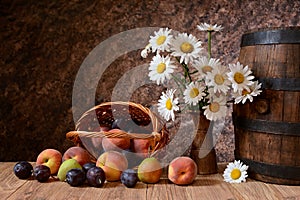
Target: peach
<point>141,147</point>
<point>182,170</point>
<point>81,155</point>
<point>115,144</point>
<point>52,158</point>
<point>150,170</point>
<point>113,164</point>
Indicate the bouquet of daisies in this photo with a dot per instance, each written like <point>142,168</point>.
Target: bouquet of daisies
<point>202,82</point>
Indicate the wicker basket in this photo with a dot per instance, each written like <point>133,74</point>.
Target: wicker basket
<point>138,122</point>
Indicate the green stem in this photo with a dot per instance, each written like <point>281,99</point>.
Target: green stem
<point>186,71</point>
<point>209,44</point>
<point>178,83</point>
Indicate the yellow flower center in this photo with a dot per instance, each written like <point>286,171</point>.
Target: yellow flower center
<point>169,104</point>
<point>186,47</point>
<point>245,92</point>
<point>239,77</point>
<point>194,92</point>
<point>206,69</point>
<point>219,79</point>
<point>214,107</point>
<point>161,39</point>
<point>161,67</point>
<point>235,174</point>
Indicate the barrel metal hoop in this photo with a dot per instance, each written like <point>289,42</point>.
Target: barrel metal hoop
<point>267,169</point>
<point>279,36</point>
<point>257,125</point>
<point>286,84</point>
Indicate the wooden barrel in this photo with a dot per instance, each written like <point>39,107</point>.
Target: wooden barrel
<point>267,131</point>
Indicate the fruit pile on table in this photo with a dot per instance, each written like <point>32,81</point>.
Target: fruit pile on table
<point>77,167</point>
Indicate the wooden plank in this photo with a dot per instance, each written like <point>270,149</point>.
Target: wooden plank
<point>292,60</point>
<point>165,190</point>
<point>254,190</point>
<point>288,192</point>
<point>267,148</point>
<point>9,183</point>
<point>289,152</point>
<point>48,190</point>
<point>116,190</point>
<point>276,99</point>
<point>209,187</point>
<point>291,108</point>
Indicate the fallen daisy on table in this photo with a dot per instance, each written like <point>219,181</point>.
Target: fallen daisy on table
<point>236,172</point>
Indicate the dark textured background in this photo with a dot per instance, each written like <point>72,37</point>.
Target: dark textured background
<point>43,44</point>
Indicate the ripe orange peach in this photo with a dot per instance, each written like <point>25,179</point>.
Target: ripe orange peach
<point>141,147</point>
<point>182,170</point>
<point>113,164</point>
<point>81,155</point>
<point>52,158</point>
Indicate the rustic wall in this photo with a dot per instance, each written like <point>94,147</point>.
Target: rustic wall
<point>43,44</point>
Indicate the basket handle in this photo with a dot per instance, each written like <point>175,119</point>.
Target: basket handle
<point>74,136</point>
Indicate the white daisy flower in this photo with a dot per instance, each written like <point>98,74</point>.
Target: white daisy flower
<point>236,172</point>
<point>161,68</point>
<point>186,46</point>
<point>218,79</point>
<point>161,40</point>
<point>205,65</point>
<point>208,27</point>
<point>216,109</point>
<point>193,93</point>
<point>244,95</point>
<point>240,77</point>
<point>167,105</point>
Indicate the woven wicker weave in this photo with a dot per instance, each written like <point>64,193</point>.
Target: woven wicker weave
<point>138,122</point>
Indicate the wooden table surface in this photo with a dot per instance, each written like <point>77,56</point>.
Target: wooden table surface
<point>204,187</point>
